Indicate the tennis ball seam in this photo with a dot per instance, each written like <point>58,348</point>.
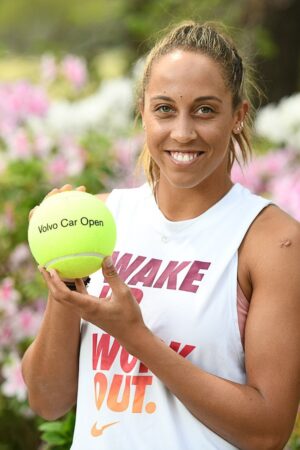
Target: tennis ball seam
<point>74,255</point>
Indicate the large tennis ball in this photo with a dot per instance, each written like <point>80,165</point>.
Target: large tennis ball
<point>72,232</point>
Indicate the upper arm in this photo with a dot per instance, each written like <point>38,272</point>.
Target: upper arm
<point>103,197</point>
<point>272,334</point>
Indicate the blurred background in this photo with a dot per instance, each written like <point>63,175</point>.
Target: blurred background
<point>68,76</point>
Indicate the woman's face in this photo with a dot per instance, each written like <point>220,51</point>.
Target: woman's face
<point>188,118</point>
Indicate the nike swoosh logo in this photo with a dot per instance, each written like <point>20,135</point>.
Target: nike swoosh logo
<point>95,432</point>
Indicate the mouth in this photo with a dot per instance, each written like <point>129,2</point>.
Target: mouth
<point>186,157</point>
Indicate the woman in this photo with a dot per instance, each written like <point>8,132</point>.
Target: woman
<point>196,329</point>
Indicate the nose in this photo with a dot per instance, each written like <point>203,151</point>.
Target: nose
<point>183,130</point>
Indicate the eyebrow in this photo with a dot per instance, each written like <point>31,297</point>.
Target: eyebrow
<point>198,99</point>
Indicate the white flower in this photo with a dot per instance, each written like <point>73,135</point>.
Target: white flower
<point>281,123</point>
<point>108,110</point>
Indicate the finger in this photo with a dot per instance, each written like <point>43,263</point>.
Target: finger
<point>55,285</point>
<point>80,286</point>
<point>111,275</point>
<point>31,212</point>
<point>61,293</point>
<point>46,275</point>
<point>54,191</point>
<point>66,187</point>
<point>85,305</point>
<point>81,188</point>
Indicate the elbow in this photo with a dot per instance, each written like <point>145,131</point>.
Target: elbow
<point>50,409</point>
<point>275,441</point>
<point>49,412</point>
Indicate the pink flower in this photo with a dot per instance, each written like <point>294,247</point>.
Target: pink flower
<point>13,385</point>
<point>19,256</point>
<point>285,191</point>
<point>9,297</point>
<point>57,169</point>
<point>25,99</point>
<point>20,324</point>
<point>249,176</point>
<point>19,145</point>
<point>262,169</point>
<point>42,145</point>
<point>126,152</point>
<point>75,71</point>
<point>6,333</point>
<point>26,324</point>
<point>68,163</point>
<point>18,101</point>
<point>29,100</point>
<point>276,162</point>
<point>75,156</point>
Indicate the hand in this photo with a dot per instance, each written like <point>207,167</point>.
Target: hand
<point>66,187</point>
<point>119,315</point>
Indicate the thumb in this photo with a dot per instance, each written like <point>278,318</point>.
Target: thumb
<point>111,275</point>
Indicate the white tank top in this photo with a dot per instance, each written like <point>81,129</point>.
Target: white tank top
<point>184,274</point>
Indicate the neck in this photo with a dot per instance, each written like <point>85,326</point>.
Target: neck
<point>187,203</point>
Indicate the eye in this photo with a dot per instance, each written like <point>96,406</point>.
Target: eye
<point>205,110</point>
<point>164,108</point>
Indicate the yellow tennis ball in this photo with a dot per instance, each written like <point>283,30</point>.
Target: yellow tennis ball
<point>72,232</point>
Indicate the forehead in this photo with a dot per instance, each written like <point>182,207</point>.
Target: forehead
<point>187,72</point>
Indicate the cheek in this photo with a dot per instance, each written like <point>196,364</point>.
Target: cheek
<point>155,133</point>
<point>217,134</point>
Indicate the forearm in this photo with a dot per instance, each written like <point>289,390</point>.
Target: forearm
<point>50,365</point>
<point>238,413</point>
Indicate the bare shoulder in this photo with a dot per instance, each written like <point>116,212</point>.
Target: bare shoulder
<point>273,238</point>
<point>273,229</point>
<point>103,197</point>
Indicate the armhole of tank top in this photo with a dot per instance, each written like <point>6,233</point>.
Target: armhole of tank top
<point>242,311</point>
<point>233,288</point>
<point>242,302</point>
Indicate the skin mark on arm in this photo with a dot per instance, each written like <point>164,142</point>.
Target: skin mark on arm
<point>285,243</point>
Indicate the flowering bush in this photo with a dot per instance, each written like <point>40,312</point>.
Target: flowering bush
<point>276,174</point>
<point>46,143</point>
<point>281,123</point>
<point>87,140</point>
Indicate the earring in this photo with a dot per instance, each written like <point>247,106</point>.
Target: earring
<point>238,128</point>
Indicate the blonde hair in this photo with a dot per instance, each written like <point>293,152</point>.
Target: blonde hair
<point>207,39</point>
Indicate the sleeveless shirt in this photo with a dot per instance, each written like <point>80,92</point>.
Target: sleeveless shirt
<point>184,276</point>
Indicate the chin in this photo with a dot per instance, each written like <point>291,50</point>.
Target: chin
<point>182,183</point>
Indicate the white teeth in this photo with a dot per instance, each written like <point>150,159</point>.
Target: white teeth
<point>184,156</point>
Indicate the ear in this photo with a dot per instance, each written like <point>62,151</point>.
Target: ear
<point>239,117</point>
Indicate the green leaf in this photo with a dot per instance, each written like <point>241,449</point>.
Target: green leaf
<point>51,426</point>
<point>53,438</point>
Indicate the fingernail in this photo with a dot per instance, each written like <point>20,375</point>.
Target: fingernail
<point>40,268</point>
<point>52,272</point>
<point>109,261</point>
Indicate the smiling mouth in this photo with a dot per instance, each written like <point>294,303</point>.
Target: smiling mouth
<point>184,157</point>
